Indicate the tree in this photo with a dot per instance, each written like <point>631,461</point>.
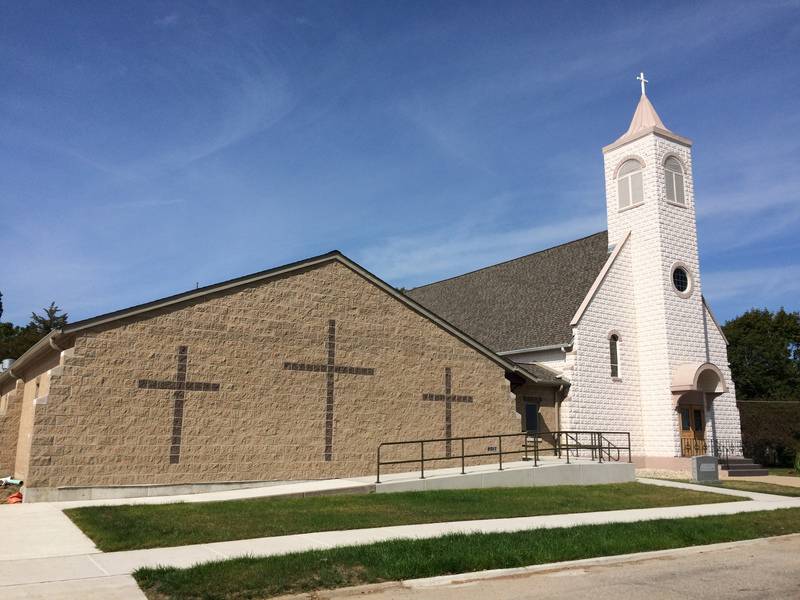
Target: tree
<point>44,324</point>
<point>15,340</point>
<point>764,354</point>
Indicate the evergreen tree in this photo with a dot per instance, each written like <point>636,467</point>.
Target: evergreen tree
<point>764,354</point>
<point>50,320</point>
<point>15,340</point>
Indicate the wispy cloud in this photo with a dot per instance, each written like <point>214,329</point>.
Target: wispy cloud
<point>768,285</point>
<point>145,203</point>
<point>167,20</point>
<point>466,245</point>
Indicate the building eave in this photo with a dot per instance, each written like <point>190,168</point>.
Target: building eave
<point>663,133</point>
<point>536,349</point>
<point>69,331</point>
<point>714,320</point>
<point>41,348</point>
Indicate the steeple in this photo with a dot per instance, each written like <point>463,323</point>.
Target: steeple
<point>651,217</point>
<point>646,120</point>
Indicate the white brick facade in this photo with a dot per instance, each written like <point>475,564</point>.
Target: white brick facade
<point>659,328</point>
<point>598,402</point>
<point>724,416</point>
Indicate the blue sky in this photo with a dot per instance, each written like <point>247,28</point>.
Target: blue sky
<point>145,147</point>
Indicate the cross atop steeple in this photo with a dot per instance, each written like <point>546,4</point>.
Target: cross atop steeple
<point>643,81</point>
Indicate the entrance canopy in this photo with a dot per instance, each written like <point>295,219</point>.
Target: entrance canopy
<point>698,377</point>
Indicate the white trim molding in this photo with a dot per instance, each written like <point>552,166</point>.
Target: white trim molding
<point>599,280</point>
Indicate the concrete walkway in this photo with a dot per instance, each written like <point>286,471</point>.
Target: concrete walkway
<point>351,485</point>
<point>107,570</point>
<point>41,530</point>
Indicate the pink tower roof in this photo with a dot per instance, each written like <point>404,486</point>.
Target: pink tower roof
<point>646,120</point>
<point>644,117</point>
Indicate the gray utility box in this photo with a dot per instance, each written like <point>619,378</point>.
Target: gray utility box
<point>705,469</point>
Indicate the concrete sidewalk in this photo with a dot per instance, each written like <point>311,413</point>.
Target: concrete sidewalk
<point>58,561</point>
<point>41,530</point>
<point>364,484</point>
<point>95,565</point>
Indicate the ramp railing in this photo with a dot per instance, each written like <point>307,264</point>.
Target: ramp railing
<point>528,445</point>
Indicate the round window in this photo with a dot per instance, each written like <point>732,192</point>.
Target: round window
<point>680,279</point>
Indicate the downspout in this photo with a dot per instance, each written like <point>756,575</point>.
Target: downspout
<point>54,346</point>
<point>559,400</point>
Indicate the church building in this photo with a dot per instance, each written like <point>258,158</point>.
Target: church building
<point>620,315</point>
<point>301,371</point>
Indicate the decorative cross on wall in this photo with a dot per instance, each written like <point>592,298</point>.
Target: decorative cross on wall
<point>329,368</point>
<point>448,398</point>
<point>179,387</point>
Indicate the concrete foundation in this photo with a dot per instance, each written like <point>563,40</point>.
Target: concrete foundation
<point>515,475</point>
<point>67,494</point>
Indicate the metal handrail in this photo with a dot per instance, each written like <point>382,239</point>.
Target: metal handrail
<point>561,444</point>
<point>610,445</point>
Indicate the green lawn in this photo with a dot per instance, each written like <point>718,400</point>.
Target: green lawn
<point>757,486</point>
<point>783,472</point>
<point>149,526</point>
<point>244,578</point>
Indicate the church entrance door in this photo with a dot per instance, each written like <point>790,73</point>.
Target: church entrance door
<point>693,424</point>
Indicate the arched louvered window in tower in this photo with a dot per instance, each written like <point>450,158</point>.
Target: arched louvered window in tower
<point>629,184</point>
<point>673,175</point>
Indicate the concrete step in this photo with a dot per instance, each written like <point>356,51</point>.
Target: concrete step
<point>741,466</point>
<point>748,473</point>
<point>737,460</point>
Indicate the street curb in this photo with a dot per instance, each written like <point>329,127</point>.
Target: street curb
<point>586,562</point>
<point>467,578</point>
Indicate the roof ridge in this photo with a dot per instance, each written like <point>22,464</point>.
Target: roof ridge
<point>203,290</point>
<point>510,260</point>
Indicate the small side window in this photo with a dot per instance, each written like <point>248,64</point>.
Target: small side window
<point>613,350</point>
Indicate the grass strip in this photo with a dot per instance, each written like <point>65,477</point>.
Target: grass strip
<point>130,527</point>
<point>784,472</point>
<point>247,578</point>
<point>758,486</point>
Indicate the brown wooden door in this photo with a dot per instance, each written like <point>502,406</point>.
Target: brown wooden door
<point>693,425</point>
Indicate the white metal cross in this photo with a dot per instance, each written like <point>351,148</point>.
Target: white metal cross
<point>643,80</point>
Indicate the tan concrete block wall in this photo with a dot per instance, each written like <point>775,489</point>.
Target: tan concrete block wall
<point>10,409</point>
<point>265,422</point>
<point>36,388</point>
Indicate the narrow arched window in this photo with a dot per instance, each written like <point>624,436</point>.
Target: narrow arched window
<point>613,347</point>
<point>629,184</point>
<point>673,172</point>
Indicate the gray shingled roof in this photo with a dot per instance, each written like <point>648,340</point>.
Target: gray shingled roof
<point>544,374</point>
<point>527,302</point>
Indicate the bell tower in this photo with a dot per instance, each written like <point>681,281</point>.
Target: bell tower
<point>649,194</point>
